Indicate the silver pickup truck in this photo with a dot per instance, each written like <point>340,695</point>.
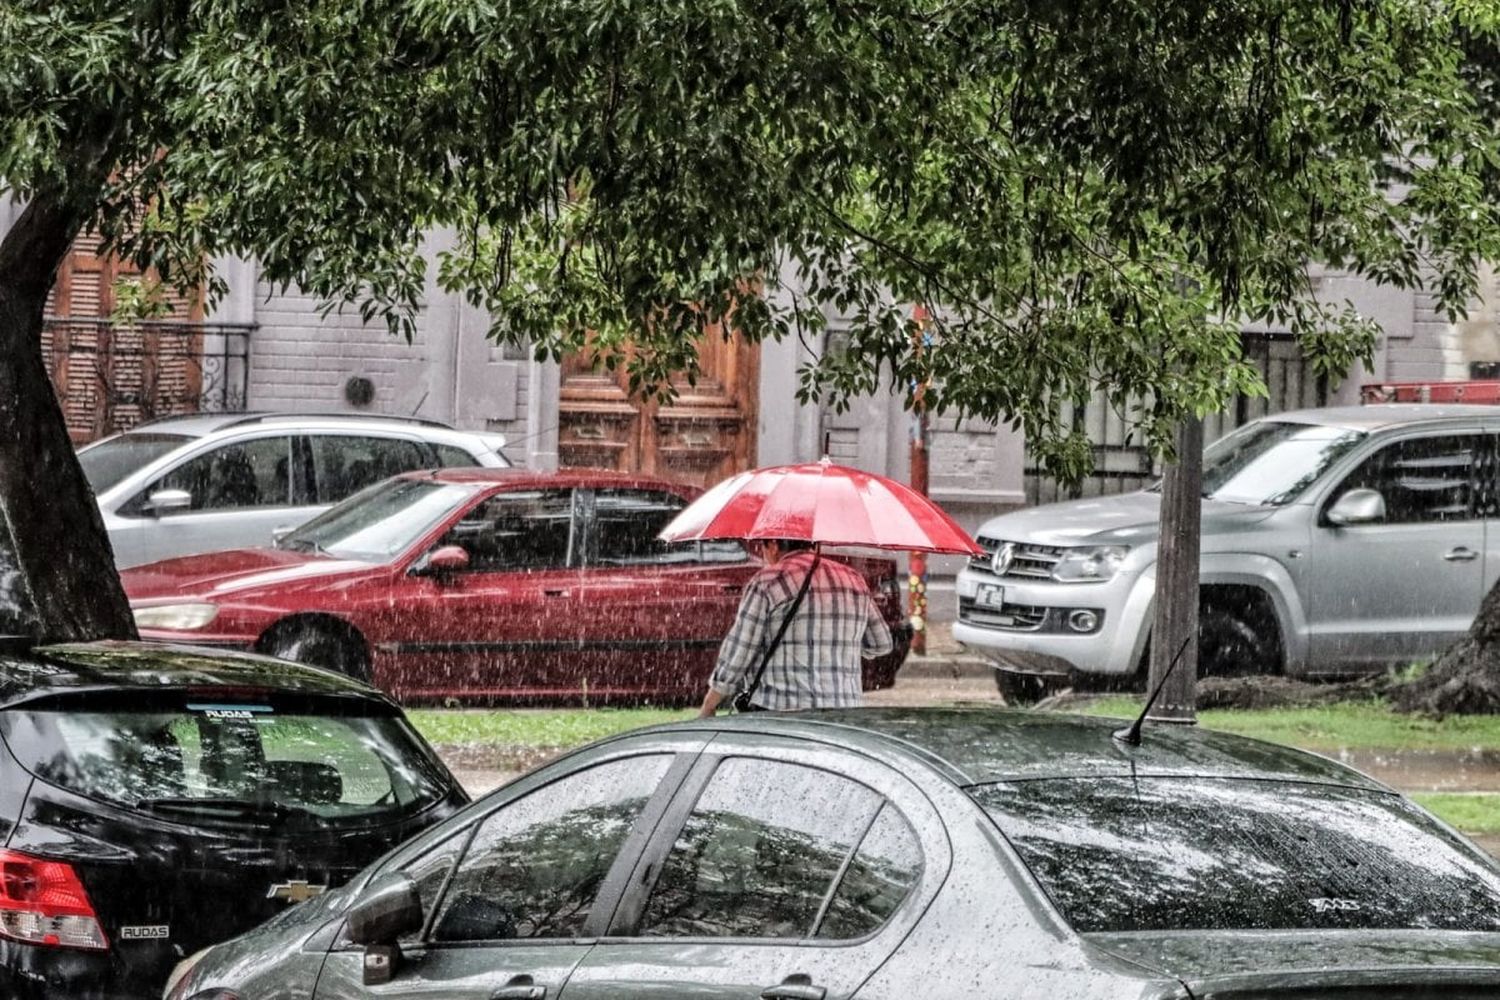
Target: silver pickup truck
<point>1335,541</point>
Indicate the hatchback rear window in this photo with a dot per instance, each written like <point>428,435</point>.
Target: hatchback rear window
<point>1218,854</point>
<point>109,461</point>
<point>231,763</point>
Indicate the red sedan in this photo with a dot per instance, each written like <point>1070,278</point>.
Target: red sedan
<point>493,584</point>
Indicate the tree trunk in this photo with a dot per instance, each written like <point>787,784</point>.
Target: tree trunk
<point>1174,630</point>
<point>57,571</point>
<point>1465,680</point>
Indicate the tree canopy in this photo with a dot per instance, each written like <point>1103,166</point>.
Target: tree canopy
<point>1093,195</point>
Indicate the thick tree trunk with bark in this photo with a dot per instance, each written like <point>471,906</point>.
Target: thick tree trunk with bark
<point>57,570</point>
<point>1465,680</point>
<point>1174,630</point>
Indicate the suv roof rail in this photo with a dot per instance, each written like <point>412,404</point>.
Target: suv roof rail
<point>246,419</point>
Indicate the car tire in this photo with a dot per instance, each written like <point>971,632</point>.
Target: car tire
<point>1020,689</point>
<point>319,646</point>
<point>1231,645</point>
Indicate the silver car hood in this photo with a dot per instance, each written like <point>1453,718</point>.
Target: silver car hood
<point>1123,519</point>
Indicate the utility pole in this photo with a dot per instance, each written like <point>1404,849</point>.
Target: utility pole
<point>1176,606</point>
<point>917,561</point>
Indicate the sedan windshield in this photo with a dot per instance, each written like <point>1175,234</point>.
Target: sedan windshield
<point>1216,854</point>
<point>237,763</point>
<point>107,462</point>
<point>1272,461</point>
<point>381,522</point>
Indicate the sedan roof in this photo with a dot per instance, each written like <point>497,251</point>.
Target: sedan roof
<point>982,745</point>
<point>27,674</point>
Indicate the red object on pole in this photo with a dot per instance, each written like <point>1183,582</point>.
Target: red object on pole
<point>917,561</point>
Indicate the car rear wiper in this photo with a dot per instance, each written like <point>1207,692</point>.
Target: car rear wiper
<point>258,809</point>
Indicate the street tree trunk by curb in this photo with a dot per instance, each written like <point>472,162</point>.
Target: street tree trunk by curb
<point>57,576</point>
<point>1175,623</point>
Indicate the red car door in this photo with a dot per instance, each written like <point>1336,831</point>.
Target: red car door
<point>507,626</point>
<point>655,612</point>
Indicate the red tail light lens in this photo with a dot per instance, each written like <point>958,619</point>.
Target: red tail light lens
<point>42,902</point>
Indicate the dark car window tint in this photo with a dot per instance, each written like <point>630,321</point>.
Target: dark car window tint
<point>524,530</point>
<point>626,523</point>
<point>759,852</point>
<point>879,876</point>
<point>345,464</point>
<point>227,763</point>
<point>1202,854</point>
<point>246,474</point>
<point>1424,479</point>
<point>535,866</point>
<point>453,457</point>
<point>428,873</point>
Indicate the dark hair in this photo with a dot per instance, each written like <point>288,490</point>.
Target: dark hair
<point>792,544</point>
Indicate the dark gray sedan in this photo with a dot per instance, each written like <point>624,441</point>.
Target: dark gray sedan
<point>894,855</point>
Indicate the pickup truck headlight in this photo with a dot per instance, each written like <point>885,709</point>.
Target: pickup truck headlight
<point>1090,563</point>
<point>178,617</point>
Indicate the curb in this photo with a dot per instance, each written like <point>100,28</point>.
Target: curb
<point>950,667</point>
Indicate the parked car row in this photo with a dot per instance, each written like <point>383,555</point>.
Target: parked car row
<point>157,803</point>
<point>485,584</point>
<point>1335,541</point>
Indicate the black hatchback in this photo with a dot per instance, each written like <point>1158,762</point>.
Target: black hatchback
<point>156,800</point>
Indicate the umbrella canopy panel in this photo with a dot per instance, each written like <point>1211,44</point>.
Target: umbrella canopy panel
<point>821,502</point>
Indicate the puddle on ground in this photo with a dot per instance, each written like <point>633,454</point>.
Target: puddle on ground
<point>1428,770</point>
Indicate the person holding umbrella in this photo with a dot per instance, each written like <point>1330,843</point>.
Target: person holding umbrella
<point>802,629</point>
<point>787,513</point>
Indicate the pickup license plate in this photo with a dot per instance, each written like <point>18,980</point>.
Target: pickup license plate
<point>990,595</point>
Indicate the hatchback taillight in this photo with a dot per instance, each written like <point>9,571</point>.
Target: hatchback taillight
<point>43,903</point>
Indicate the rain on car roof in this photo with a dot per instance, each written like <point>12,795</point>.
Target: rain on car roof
<point>982,745</point>
<point>82,666</point>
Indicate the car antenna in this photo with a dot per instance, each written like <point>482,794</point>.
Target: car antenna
<point>1131,734</point>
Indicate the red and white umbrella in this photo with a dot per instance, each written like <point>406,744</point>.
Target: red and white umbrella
<point>821,502</point>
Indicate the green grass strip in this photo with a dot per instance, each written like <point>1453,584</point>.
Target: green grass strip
<point>1370,725</point>
<point>536,727</point>
<point>1472,812</point>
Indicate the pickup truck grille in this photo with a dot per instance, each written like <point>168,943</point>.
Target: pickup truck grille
<point>1033,562</point>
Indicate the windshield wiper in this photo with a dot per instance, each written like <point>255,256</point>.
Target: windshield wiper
<point>258,809</point>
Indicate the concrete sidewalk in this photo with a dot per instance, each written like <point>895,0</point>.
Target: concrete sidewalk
<point>946,673</point>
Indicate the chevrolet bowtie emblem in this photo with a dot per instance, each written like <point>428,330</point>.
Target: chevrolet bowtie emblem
<point>296,892</point>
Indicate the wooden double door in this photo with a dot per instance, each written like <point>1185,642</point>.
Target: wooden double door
<point>705,433</point>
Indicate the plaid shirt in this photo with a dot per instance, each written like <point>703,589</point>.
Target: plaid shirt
<point>817,664</point>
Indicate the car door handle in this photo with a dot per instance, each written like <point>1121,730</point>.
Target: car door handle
<point>733,588</point>
<point>555,593</point>
<point>1461,554</point>
<point>794,987</point>
<point>520,988</point>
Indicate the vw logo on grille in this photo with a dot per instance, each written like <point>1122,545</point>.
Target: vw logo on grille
<point>1004,556</point>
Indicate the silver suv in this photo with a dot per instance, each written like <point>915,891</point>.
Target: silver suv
<point>198,483</point>
<point>1334,541</point>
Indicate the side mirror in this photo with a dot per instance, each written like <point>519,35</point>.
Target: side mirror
<point>442,560</point>
<point>389,908</point>
<point>1361,506</point>
<point>167,501</point>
